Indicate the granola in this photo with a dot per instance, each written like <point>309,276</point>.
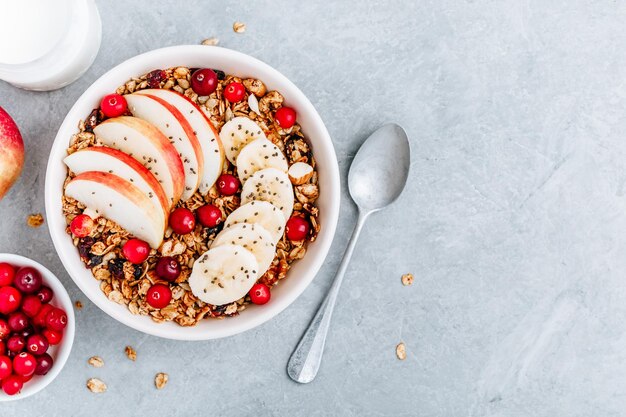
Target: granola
<point>131,353</point>
<point>126,283</point>
<point>160,380</point>
<point>96,361</point>
<point>96,385</point>
<point>34,220</point>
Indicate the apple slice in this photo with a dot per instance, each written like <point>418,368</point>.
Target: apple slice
<point>113,161</point>
<point>120,201</point>
<point>11,152</point>
<point>150,147</point>
<point>206,133</point>
<point>173,124</point>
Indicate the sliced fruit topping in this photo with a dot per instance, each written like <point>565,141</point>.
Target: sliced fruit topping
<point>209,139</point>
<point>182,221</point>
<point>236,134</point>
<point>114,161</point>
<point>260,294</point>
<point>254,238</point>
<point>209,215</point>
<point>120,201</point>
<point>82,225</point>
<point>136,251</point>
<point>174,125</point>
<point>297,228</point>
<point>257,155</point>
<point>223,274</point>
<point>113,105</point>
<point>300,172</point>
<point>234,92</point>
<point>227,184</point>
<point>285,117</point>
<point>271,185</point>
<point>145,143</point>
<point>259,212</point>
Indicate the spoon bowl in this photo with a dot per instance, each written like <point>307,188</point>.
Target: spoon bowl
<point>380,168</point>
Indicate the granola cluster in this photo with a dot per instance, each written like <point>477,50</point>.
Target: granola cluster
<point>101,251</point>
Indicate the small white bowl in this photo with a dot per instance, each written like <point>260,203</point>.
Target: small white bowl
<point>232,62</point>
<point>60,352</point>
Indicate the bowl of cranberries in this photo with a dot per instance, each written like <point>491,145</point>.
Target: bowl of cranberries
<point>36,327</point>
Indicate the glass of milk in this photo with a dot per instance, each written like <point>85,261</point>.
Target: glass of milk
<point>47,44</point>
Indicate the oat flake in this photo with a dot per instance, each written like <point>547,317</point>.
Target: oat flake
<point>96,361</point>
<point>401,351</point>
<point>211,41</point>
<point>160,380</point>
<point>407,279</point>
<point>131,353</point>
<point>239,27</point>
<point>96,386</point>
<point>34,220</point>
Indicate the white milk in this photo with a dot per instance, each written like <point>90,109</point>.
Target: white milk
<point>47,44</point>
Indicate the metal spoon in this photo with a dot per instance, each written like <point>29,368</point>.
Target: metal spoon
<point>377,177</point>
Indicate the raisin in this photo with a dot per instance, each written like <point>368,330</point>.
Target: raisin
<point>116,267</point>
<point>92,120</point>
<point>84,246</point>
<point>212,231</point>
<point>138,271</point>
<point>220,74</point>
<point>155,77</point>
<point>95,260</point>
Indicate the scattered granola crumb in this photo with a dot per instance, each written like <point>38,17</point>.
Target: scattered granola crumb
<point>96,386</point>
<point>160,380</point>
<point>407,279</point>
<point>34,220</point>
<point>211,41</point>
<point>131,353</point>
<point>239,27</point>
<point>401,351</point>
<point>78,304</point>
<point>96,361</point>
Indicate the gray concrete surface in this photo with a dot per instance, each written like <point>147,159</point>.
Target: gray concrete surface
<point>513,222</point>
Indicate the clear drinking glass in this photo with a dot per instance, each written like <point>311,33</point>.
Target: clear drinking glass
<point>47,44</point>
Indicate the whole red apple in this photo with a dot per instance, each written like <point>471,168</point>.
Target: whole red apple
<point>11,152</point>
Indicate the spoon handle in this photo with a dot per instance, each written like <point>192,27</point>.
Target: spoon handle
<point>307,357</point>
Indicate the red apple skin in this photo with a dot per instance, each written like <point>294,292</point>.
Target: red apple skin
<point>11,152</point>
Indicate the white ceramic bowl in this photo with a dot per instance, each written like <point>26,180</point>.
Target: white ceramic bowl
<point>60,352</point>
<point>232,62</point>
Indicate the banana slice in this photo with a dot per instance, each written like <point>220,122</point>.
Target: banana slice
<point>257,155</point>
<point>259,212</point>
<point>223,274</point>
<point>271,185</point>
<point>236,134</point>
<point>252,237</point>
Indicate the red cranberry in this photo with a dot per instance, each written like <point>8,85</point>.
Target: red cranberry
<point>285,117</point>
<point>53,337</point>
<point>31,304</point>
<point>37,344</point>
<point>45,294</point>
<point>6,366</point>
<point>12,385</point>
<point>167,268</point>
<point>234,92</point>
<point>297,228</point>
<point>7,272</point>
<point>28,280</point>
<point>204,81</point>
<point>56,319</point>
<point>18,321</point>
<point>44,364</point>
<point>10,299</point>
<point>182,221</point>
<point>209,215</point>
<point>113,105</point>
<point>82,225</point>
<point>40,319</point>
<point>3,348</point>
<point>227,184</point>
<point>16,343</point>
<point>136,251</point>
<point>27,332</point>
<point>5,330</point>
<point>259,294</point>
<point>24,364</point>
<point>26,378</point>
<point>159,295</point>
